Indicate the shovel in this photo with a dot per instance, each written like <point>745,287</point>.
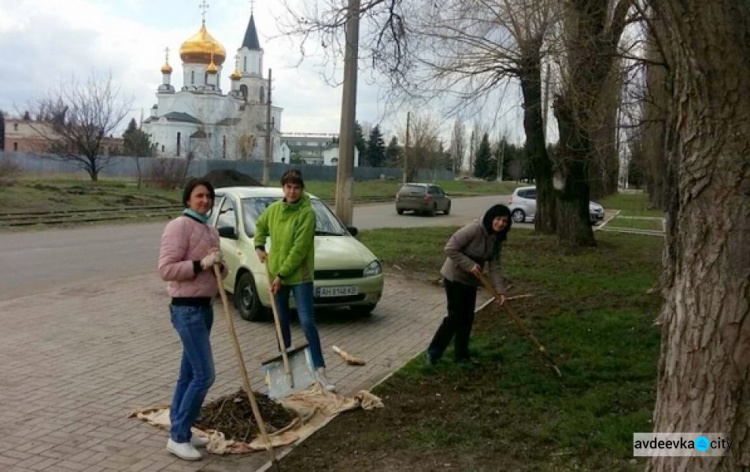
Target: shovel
<point>243,369</point>
<point>290,371</point>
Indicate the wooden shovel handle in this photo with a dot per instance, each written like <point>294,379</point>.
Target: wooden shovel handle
<point>242,367</point>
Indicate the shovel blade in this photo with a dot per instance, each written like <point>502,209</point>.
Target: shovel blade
<point>279,384</point>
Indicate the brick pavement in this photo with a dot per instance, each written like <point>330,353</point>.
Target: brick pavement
<point>76,359</point>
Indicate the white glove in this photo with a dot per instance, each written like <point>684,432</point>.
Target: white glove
<point>214,257</point>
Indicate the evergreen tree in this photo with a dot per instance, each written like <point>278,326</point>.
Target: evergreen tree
<point>359,142</point>
<point>376,148</point>
<point>393,153</point>
<point>136,142</point>
<point>482,163</point>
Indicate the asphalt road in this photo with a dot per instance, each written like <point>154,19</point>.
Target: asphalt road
<point>34,262</point>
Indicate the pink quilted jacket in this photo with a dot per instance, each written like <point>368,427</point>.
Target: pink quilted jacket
<point>185,240</point>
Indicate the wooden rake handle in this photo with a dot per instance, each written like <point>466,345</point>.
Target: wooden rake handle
<point>517,320</point>
<point>242,367</point>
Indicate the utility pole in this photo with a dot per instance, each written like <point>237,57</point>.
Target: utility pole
<point>344,174</point>
<point>501,159</point>
<point>405,177</point>
<point>471,154</point>
<point>269,128</point>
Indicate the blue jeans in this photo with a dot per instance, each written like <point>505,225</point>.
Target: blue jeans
<point>303,297</point>
<point>197,373</point>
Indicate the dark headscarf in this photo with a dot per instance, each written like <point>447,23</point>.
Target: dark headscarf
<point>489,217</point>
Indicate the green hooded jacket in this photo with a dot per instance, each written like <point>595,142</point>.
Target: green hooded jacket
<point>292,230</point>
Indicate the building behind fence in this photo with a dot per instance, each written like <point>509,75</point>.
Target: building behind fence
<point>125,167</point>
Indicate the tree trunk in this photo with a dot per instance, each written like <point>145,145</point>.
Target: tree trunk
<point>658,134</point>
<point>704,371</point>
<point>545,220</point>
<point>575,152</point>
<point>604,169</point>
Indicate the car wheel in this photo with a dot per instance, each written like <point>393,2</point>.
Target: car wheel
<point>362,310</point>
<point>433,210</point>
<point>400,212</point>
<point>447,209</point>
<point>519,216</point>
<point>246,299</point>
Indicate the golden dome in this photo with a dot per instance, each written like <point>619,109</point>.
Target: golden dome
<point>199,49</point>
<point>235,75</point>
<point>211,69</point>
<point>166,68</point>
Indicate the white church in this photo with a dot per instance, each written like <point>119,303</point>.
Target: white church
<point>200,119</point>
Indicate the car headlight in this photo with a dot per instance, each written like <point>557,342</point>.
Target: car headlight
<point>373,269</point>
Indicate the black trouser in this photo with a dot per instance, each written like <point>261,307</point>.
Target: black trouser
<point>462,299</point>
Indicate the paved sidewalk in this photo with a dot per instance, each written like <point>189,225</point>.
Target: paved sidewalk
<point>75,360</point>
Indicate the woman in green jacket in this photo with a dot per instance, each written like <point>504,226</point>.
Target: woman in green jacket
<point>291,225</point>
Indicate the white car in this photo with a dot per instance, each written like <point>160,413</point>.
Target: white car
<point>347,274</point>
<point>522,206</point>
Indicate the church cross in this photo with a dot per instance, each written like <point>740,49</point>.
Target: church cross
<point>204,6</point>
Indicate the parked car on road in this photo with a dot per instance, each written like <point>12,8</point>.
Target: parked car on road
<point>422,198</point>
<point>347,274</point>
<point>522,206</point>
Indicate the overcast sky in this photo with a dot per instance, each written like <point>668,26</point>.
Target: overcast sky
<point>42,41</point>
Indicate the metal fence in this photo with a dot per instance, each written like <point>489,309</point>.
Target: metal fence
<point>124,166</point>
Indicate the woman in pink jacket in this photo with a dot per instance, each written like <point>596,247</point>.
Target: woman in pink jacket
<point>189,250</point>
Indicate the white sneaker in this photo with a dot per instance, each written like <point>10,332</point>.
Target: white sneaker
<point>185,451</point>
<point>198,441</point>
<point>321,374</point>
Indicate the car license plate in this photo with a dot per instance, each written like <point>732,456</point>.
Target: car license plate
<point>325,292</point>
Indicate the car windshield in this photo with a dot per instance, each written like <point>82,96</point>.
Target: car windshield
<point>326,222</point>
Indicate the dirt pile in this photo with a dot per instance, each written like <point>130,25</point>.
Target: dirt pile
<point>233,416</point>
<point>231,178</point>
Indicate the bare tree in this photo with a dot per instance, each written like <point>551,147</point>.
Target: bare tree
<point>77,117</point>
<point>424,144</point>
<point>458,145</point>
<point>704,371</point>
<point>591,33</point>
<point>471,49</point>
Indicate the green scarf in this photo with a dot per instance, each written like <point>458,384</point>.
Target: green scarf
<point>202,218</point>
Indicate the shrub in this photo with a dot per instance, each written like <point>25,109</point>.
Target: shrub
<point>167,174</point>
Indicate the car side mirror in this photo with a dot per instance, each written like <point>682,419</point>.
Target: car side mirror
<point>352,230</point>
<point>227,232</point>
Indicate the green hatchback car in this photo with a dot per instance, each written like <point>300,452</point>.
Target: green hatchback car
<point>347,274</point>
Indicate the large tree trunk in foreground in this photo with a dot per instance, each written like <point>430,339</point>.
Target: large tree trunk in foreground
<point>704,377</point>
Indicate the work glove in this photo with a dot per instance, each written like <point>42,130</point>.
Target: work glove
<point>214,257</point>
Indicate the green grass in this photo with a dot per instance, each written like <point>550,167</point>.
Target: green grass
<point>66,192</point>
<point>590,309</point>
<point>631,204</point>
<point>388,188</point>
<point>636,223</point>
<point>53,194</point>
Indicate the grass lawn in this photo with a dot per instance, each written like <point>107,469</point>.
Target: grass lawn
<point>55,194</point>
<point>637,223</point>
<point>388,188</point>
<point>590,309</point>
<point>50,193</point>
<point>631,204</point>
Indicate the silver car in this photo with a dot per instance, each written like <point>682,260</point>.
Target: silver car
<point>422,198</point>
<point>522,206</point>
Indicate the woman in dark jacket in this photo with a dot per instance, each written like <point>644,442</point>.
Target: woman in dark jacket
<point>468,250</point>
